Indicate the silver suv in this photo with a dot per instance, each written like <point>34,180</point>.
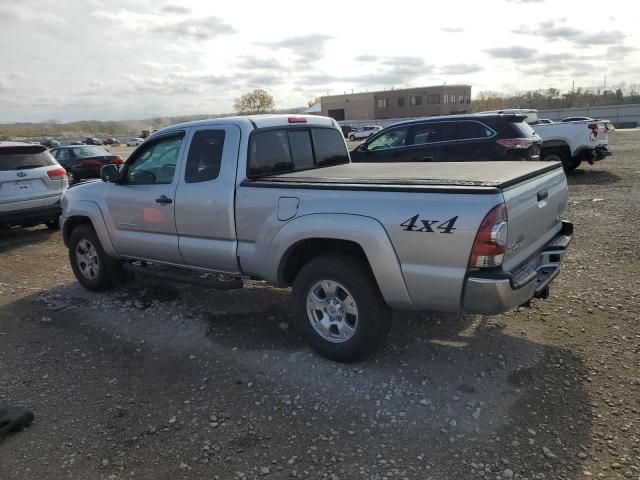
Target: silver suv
<point>31,185</point>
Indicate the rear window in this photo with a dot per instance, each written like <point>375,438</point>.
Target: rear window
<point>523,129</point>
<point>89,151</point>
<point>288,150</point>
<point>24,158</point>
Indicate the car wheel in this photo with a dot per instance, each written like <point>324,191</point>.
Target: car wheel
<point>72,178</point>
<point>53,224</point>
<point>91,265</point>
<point>339,309</point>
<point>352,138</point>
<point>560,155</point>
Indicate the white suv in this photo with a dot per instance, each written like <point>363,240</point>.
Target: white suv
<point>31,186</point>
<point>364,132</point>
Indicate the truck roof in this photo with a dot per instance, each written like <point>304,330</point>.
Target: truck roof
<point>258,121</point>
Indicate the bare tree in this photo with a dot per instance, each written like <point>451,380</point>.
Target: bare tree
<point>258,101</point>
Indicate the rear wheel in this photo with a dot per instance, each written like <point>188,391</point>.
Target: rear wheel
<point>352,138</point>
<point>91,265</point>
<point>339,309</point>
<point>560,155</point>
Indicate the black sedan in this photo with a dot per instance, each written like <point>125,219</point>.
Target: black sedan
<point>83,161</point>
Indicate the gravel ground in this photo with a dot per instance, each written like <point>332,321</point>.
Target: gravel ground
<point>164,381</point>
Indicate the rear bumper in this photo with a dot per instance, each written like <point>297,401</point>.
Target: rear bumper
<point>494,293</point>
<point>31,215</point>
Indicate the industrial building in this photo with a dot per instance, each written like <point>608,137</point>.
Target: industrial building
<point>402,103</point>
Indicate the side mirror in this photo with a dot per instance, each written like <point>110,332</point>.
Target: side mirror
<point>364,147</point>
<point>109,173</point>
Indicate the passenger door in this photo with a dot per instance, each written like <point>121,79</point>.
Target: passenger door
<point>475,142</point>
<point>390,146</point>
<point>205,199</point>
<point>432,142</point>
<point>142,208</point>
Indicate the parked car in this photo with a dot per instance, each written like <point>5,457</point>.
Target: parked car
<point>50,143</point>
<point>453,138</point>
<point>134,142</point>
<point>110,141</point>
<point>92,141</point>
<point>275,197</point>
<point>347,129</point>
<point>83,161</point>
<point>364,132</point>
<point>576,119</point>
<point>31,185</point>
<point>570,142</point>
<point>544,121</point>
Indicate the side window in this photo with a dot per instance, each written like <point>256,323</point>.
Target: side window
<point>469,130</point>
<point>63,156</point>
<point>205,156</point>
<point>433,132</point>
<point>156,163</point>
<point>329,146</point>
<point>391,139</point>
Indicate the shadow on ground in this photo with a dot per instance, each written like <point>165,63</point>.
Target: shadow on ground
<point>19,237</point>
<point>589,176</point>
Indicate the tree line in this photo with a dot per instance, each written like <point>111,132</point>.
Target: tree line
<point>553,98</point>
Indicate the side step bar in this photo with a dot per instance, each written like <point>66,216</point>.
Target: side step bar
<point>200,279</point>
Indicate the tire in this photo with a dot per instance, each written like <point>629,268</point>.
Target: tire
<point>560,155</point>
<point>342,286</point>
<point>53,224</point>
<point>352,138</point>
<point>72,178</point>
<point>91,265</point>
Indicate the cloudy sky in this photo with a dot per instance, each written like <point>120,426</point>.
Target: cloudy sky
<point>126,59</point>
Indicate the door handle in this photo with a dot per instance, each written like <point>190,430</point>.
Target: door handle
<point>164,200</point>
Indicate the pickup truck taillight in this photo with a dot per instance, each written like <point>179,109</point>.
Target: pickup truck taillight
<point>594,129</point>
<point>57,174</point>
<point>523,143</point>
<point>491,240</point>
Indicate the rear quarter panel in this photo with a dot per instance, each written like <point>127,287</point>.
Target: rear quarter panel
<point>433,261</point>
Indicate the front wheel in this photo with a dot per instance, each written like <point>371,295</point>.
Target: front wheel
<point>91,265</point>
<point>339,309</point>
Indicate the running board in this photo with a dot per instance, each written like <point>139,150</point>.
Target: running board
<point>171,274</point>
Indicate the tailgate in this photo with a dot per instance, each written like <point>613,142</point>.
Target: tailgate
<point>534,209</point>
<point>16,186</point>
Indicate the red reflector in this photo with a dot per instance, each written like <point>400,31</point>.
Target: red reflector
<point>297,120</point>
<point>57,174</point>
<point>515,142</point>
<point>116,161</point>
<point>594,129</point>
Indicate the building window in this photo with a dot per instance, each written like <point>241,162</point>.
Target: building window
<point>433,99</point>
<point>415,100</point>
<point>401,101</point>
<point>383,102</point>
<point>445,98</point>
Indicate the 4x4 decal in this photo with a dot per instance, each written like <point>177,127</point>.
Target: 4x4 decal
<point>429,226</point>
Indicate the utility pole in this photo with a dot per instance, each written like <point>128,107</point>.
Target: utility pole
<point>604,89</point>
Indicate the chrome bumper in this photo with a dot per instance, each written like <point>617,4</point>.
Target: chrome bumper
<point>497,292</point>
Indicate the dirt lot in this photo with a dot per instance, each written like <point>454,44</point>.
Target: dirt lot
<point>163,381</point>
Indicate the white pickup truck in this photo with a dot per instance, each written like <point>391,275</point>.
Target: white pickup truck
<point>276,198</point>
<point>569,142</point>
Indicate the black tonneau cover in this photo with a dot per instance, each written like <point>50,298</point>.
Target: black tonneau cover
<point>493,175</point>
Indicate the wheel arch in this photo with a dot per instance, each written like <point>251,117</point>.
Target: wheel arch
<point>87,212</point>
<point>311,236</point>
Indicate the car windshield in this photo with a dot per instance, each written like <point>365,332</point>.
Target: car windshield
<point>24,158</point>
<point>89,151</point>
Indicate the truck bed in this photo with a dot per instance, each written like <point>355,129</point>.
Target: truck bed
<point>484,176</point>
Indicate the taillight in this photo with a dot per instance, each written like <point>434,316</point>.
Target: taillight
<point>90,163</point>
<point>57,174</point>
<point>116,161</point>
<point>491,240</point>
<point>523,143</point>
<point>594,129</point>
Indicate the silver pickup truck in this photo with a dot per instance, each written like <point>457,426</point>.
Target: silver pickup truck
<point>276,198</point>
